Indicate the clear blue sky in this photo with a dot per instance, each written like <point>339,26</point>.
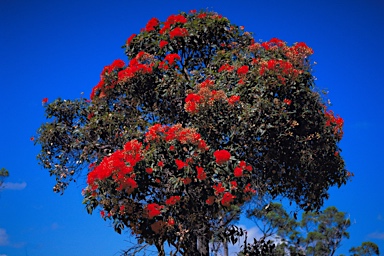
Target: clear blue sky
<point>58,48</point>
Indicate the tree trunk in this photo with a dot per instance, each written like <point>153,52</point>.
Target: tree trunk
<point>225,247</point>
<point>203,245</point>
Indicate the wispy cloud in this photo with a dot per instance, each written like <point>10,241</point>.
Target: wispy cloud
<point>14,186</point>
<point>377,235</point>
<point>3,237</point>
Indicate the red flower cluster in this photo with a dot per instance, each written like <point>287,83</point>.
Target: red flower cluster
<point>243,70</point>
<point>163,43</point>
<point>172,200</point>
<point>280,67</point>
<point>119,166</point>
<point>336,122</point>
<point>106,72</point>
<point>226,67</point>
<point>233,99</point>
<point>205,96</point>
<point>171,20</point>
<point>227,199</point>
<point>201,175</point>
<point>129,40</point>
<point>153,210</point>
<point>178,32</point>
<point>222,156</point>
<point>152,23</point>
<point>45,100</point>
<point>180,164</point>
<point>170,58</point>
<point>287,101</point>
<point>136,65</point>
<point>238,171</point>
<point>218,188</point>
<point>176,133</point>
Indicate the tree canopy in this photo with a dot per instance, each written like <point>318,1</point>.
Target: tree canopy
<point>200,119</point>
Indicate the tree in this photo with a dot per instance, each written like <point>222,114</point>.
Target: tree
<point>365,249</point>
<point>201,119</point>
<point>3,174</point>
<point>316,233</point>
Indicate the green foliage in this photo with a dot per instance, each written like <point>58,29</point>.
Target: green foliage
<point>3,174</point>
<point>316,233</point>
<point>365,249</point>
<point>202,73</point>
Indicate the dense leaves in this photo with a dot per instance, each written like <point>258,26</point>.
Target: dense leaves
<point>198,121</point>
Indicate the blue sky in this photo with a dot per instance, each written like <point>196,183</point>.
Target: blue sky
<point>58,48</point>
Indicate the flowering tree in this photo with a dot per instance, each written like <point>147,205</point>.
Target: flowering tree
<point>201,119</point>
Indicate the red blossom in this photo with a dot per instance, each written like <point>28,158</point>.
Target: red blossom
<point>218,188</point>
<point>160,164</point>
<point>202,15</point>
<point>171,58</point>
<point>172,200</point>
<point>152,23</point>
<point>186,180</point>
<point>227,199</point>
<point>171,222</point>
<point>180,164</point>
<point>201,175</point>
<point>45,100</point>
<point>242,70</point>
<point>226,67</point>
<point>163,43</point>
<point>210,200</point>
<point>149,170</point>
<point>153,210</point>
<point>287,101</point>
<point>129,40</point>
<point>178,32</point>
<point>222,156</point>
<point>192,11</point>
<point>238,172</point>
<point>233,99</point>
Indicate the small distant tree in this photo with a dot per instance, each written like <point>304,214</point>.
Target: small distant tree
<point>3,174</point>
<point>365,249</point>
<point>200,120</point>
<point>316,233</point>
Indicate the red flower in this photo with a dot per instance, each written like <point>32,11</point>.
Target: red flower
<point>153,210</point>
<point>102,213</point>
<point>287,101</point>
<point>160,163</point>
<point>32,138</point>
<point>201,175</point>
<point>130,39</point>
<point>152,23</point>
<point>202,15</point>
<point>226,67</point>
<point>222,156</point>
<point>171,222</point>
<point>233,99</point>
<point>171,148</point>
<point>171,58</point>
<point>192,11</point>
<point>218,188</point>
<point>238,172</point>
<point>180,164</point>
<point>186,180</point>
<point>149,170</point>
<point>163,44</point>
<point>45,100</point>
<point>172,200</point>
<point>178,32</point>
<point>242,70</point>
<point>210,200</point>
<point>227,198</point>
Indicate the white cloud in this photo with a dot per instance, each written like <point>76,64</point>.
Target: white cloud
<point>377,235</point>
<point>3,255</point>
<point>3,237</point>
<point>14,186</point>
